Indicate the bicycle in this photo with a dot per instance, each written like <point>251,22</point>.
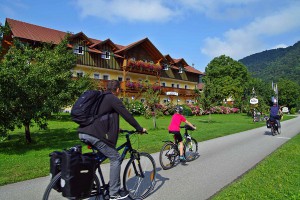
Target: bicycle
<point>275,129</point>
<point>138,178</point>
<point>169,153</point>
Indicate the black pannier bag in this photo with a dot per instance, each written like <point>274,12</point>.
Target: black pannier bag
<point>77,174</point>
<point>55,167</point>
<point>268,124</point>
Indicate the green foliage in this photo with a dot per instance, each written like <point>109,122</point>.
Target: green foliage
<point>152,99</point>
<point>289,93</point>
<point>36,82</point>
<point>136,108</point>
<point>271,65</point>
<point>224,78</point>
<point>187,111</point>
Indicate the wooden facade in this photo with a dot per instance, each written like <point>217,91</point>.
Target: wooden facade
<point>131,64</point>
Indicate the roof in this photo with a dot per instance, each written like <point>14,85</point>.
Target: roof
<point>192,69</point>
<point>34,32</point>
<point>42,34</point>
<point>146,44</point>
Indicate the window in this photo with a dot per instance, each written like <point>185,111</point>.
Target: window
<point>177,85</point>
<point>105,55</point>
<point>128,79</point>
<point>180,70</point>
<point>185,87</point>
<point>165,67</point>
<point>163,84</point>
<point>96,76</point>
<point>172,85</point>
<point>79,74</point>
<point>105,77</point>
<point>120,79</point>
<point>78,50</point>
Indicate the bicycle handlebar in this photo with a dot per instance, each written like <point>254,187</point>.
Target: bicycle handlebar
<point>187,127</point>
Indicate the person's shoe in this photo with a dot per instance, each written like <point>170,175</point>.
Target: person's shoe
<point>120,195</point>
<point>182,159</point>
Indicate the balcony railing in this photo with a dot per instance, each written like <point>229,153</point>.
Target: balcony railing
<point>143,67</point>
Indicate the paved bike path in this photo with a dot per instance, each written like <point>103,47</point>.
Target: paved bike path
<point>221,161</point>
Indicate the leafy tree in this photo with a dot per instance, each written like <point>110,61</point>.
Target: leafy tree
<point>152,99</point>
<point>36,82</point>
<point>288,93</point>
<point>224,78</point>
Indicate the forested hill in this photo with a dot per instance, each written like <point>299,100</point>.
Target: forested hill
<point>273,64</point>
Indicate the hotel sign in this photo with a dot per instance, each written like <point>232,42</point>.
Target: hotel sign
<point>172,93</point>
<point>254,101</point>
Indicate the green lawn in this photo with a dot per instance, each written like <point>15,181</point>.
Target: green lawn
<point>276,177</point>
<point>20,161</point>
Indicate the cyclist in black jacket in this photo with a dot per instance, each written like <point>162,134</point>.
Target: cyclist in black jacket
<point>103,133</point>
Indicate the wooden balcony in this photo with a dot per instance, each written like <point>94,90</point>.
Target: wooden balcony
<point>136,87</point>
<point>180,91</point>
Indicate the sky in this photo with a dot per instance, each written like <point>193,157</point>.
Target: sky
<point>195,30</point>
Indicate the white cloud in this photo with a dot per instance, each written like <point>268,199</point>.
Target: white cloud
<point>130,10</point>
<point>238,43</point>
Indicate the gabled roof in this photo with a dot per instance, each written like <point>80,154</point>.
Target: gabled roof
<point>83,36</point>
<point>169,59</point>
<point>107,41</point>
<point>35,33</point>
<point>146,44</point>
<point>192,70</point>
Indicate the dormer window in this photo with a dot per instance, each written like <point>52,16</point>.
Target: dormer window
<point>165,67</point>
<point>180,70</point>
<point>78,50</point>
<point>106,55</point>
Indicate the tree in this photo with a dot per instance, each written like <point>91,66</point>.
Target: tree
<point>224,78</point>
<point>288,93</point>
<point>152,99</point>
<point>36,82</point>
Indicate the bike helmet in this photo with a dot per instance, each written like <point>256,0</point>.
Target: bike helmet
<point>179,109</point>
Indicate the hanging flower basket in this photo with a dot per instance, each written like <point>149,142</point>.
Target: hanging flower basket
<point>143,66</point>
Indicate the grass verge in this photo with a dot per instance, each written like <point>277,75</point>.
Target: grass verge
<point>276,177</point>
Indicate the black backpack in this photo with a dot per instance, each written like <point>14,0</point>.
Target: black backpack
<point>85,109</point>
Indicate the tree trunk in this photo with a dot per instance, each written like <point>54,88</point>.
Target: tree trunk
<point>27,133</point>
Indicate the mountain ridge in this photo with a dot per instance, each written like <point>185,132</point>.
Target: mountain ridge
<point>271,65</point>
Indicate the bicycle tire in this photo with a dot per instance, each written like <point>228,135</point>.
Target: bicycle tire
<point>51,193</point>
<point>191,149</point>
<point>167,155</point>
<point>273,130</point>
<point>137,186</point>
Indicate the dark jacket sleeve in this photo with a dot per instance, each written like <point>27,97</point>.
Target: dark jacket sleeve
<point>120,108</point>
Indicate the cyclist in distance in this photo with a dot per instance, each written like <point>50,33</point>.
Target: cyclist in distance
<point>275,112</point>
<point>174,128</point>
<point>103,134</point>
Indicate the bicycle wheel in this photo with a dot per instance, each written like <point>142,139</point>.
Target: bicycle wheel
<point>278,130</point>
<point>51,193</point>
<point>191,149</point>
<point>273,130</point>
<point>168,155</point>
<point>139,176</point>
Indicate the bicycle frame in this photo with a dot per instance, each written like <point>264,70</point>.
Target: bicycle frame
<point>127,148</point>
